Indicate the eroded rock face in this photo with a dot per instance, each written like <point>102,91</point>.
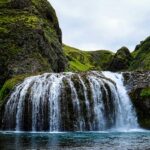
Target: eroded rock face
<point>19,4</point>
<point>137,79</point>
<point>138,85</point>
<point>30,39</point>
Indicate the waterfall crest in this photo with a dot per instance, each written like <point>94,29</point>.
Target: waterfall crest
<point>92,101</point>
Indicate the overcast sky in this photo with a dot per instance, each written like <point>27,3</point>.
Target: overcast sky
<point>103,24</point>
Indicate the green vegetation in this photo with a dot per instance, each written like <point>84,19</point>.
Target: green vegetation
<point>140,98</point>
<point>141,56</point>
<point>28,20</point>
<point>4,2</point>
<point>78,60</point>
<point>30,39</point>
<point>9,86</point>
<point>145,92</point>
<point>121,60</point>
<point>87,60</point>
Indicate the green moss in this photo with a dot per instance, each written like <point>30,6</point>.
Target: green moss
<point>30,38</point>
<point>140,98</point>
<point>47,11</point>
<point>145,92</point>
<point>13,50</point>
<point>77,66</point>
<point>9,86</point>
<point>9,49</point>
<point>50,34</point>
<point>4,1</point>
<point>32,21</point>
<point>134,54</point>
<point>3,30</point>
<point>43,61</point>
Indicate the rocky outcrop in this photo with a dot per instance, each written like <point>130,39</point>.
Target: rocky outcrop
<point>138,86</point>
<point>30,39</point>
<point>121,60</point>
<point>137,79</point>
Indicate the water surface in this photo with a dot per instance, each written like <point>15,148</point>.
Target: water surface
<point>135,140</point>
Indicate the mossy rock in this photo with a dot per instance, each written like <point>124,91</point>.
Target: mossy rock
<point>30,39</point>
<point>141,101</point>
<point>9,86</point>
<point>145,92</point>
<point>121,60</point>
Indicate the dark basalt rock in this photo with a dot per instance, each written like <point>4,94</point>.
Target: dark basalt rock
<point>138,86</point>
<point>20,4</point>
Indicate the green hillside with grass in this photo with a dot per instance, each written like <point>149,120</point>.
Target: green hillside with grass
<point>122,60</point>
<point>141,56</point>
<point>87,60</point>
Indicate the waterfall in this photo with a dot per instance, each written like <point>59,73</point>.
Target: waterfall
<point>92,101</point>
<point>126,115</point>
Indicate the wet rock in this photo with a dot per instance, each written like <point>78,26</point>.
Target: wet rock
<point>138,86</point>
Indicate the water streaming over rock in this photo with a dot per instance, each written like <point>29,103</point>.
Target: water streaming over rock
<point>89,101</point>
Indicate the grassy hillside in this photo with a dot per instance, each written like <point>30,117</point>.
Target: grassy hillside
<point>87,60</point>
<point>122,60</point>
<point>141,56</point>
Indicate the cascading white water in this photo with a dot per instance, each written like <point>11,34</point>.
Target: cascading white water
<point>70,102</point>
<point>126,116</point>
<point>76,105</point>
<point>86,101</point>
<point>95,86</point>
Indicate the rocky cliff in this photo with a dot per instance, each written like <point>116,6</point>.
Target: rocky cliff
<point>138,86</point>
<point>30,39</point>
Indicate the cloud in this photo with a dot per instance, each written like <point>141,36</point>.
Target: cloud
<point>103,24</point>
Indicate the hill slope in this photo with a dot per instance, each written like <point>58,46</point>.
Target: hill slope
<point>122,60</point>
<point>87,60</point>
<point>30,39</point>
<point>141,56</point>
